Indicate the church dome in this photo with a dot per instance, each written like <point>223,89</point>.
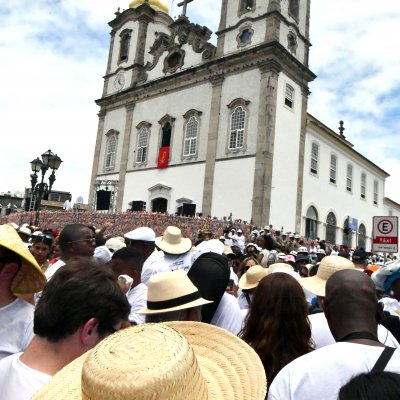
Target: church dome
<point>157,5</point>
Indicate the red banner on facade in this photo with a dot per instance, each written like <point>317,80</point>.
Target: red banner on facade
<point>163,157</point>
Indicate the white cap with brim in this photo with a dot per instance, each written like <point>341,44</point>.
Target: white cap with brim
<point>328,266</point>
<point>143,233</point>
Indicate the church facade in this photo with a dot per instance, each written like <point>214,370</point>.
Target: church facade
<point>189,127</point>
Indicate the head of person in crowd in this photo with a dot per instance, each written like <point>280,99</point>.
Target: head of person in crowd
<point>290,259</point>
<point>19,271</point>
<point>172,242</point>
<point>320,254</point>
<point>115,243</point>
<point>142,239</point>
<point>127,261</point>
<point>265,242</point>
<point>372,386</point>
<point>25,232</point>
<point>171,296</point>
<point>351,304</point>
<point>300,264</point>
<point>42,248</point>
<point>79,306</point>
<point>210,273</point>
<point>173,360</point>
<point>247,263</point>
<point>360,259</point>
<point>250,280</point>
<point>328,266</point>
<point>76,240</point>
<point>387,280</point>
<point>278,316</point>
<point>302,250</point>
<point>251,250</point>
<point>235,260</point>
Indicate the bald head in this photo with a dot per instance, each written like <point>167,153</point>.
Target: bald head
<point>351,304</point>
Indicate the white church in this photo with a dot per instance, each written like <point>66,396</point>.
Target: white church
<point>191,128</point>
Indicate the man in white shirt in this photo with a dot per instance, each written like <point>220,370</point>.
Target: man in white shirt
<point>19,273</point>
<point>128,261</point>
<point>353,314</point>
<point>79,306</point>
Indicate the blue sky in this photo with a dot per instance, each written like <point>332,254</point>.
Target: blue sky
<point>54,54</point>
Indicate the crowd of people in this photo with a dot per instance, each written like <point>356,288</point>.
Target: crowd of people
<point>230,312</point>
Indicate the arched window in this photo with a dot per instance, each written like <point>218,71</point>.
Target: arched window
<point>141,151</point>
<point>330,236</point>
<point>347,233</point>
<point>125,38</point>
<point>362,236</point>
<point>311,223</point>
<point>191,133</point>
<point>236,137</point>
<point>111,150</point>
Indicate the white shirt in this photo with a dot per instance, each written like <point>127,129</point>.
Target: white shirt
<point>18,381</point>
<point>180,261</point>
<point>67,205</point>
<point>53,268</point>
<point>228,315</point>
<point>322,336</point>
<point>137,298</point>
<point>153,265</point>
<point>16,327</point>
<point>319,375</point>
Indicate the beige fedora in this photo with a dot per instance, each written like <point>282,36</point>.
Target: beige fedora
<point>252,277</point>
<point>171,291</point>
<point>328,266</point>
<point>30,278</point>
<point>172,241</point>
<point>177,360</point>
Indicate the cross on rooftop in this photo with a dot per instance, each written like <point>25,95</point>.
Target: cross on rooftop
<point>341,128</point>
<point>184,4</point>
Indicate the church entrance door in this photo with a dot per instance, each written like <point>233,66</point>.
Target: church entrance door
<point>159,205</point>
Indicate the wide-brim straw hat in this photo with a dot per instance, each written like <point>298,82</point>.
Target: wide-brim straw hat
<point>30,278</point>
<point>171,291</point>
<point>279,266</point>
<point>175,360</point>
<point>252,277</point>
<point>172,241</point>
<point>328,266</point>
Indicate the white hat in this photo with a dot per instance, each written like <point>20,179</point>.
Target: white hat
<point>172,241</point>
<point>171,291</point>
<point>37,233</point>
<point>14,225</point>
<point>208,246</point>
<point>297,236</point>
<point>321,251</point>
<point>281,256</point>
<point>143,233</point>
<point>24,230</point>
<point>302,249</point>
<point>102,254</point>
<point>114,244</point>
<point>293,253</point>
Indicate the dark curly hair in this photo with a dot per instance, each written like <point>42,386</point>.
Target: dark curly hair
<point>277,325</point>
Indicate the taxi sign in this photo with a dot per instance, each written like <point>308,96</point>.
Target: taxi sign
<point>385,234</point>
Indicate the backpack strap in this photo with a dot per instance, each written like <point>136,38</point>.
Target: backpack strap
<point>383,359</point>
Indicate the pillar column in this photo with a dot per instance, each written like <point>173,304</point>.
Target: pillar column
<point>130,106</point>
<point>212,144</point>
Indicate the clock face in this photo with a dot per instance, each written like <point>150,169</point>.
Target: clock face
<point>119,81</point>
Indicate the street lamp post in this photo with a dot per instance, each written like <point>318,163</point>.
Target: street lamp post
<point>42,189</point>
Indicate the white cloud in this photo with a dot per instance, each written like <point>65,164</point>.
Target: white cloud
<point>54,54</point>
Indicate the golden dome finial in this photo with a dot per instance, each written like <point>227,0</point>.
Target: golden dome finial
<point>157,5</point>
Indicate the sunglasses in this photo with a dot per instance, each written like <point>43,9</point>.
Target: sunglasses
<point>87,240</point>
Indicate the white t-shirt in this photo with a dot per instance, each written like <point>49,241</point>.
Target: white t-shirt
<point>322,336</point>
<point>228,315</point>
<point>16,327</point>
<point>180,261</point>
<point>18,381</point>
<point>53,268</point>
<point>137,298</point>
<point>319,375</point>
<point>153,265</point>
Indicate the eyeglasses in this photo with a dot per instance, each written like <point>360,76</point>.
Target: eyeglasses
<point>87,240</point>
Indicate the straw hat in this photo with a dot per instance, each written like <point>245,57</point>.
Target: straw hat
<point>172,241</point>
<point>176,360</point>
<point>252,277</point>
<point>30,278</point>
<point>279,266</point>
<point>328,266</point>
<point>171,291</point>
